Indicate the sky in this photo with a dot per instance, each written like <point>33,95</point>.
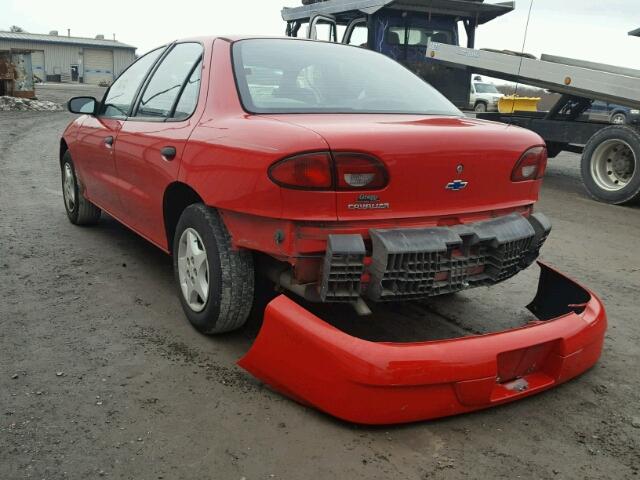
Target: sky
<point>586,29</point>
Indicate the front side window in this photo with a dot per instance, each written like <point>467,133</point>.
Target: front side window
<point>293,76</point>
<point>117,102</point>
<point>166,82</point>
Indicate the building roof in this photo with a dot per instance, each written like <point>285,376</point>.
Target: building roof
<point>62,39</point>
<point>474,9</point>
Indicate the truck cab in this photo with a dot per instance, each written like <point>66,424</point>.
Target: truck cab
<point>400,29</point>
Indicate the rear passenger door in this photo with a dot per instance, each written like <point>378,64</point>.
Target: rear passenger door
<point>151,140</point>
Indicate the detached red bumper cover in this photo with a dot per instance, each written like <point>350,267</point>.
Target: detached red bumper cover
<point>365,382</point>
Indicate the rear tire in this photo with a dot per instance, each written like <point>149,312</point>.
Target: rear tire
<point>80,211</point>
<point>610,165</point>
<point>215,282</point>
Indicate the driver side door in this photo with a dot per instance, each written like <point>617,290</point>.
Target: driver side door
<point>99,134</point>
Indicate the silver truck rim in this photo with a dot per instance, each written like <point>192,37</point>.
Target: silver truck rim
<point>613,164</point>
<point>193,270</point>
<point>69,187</point>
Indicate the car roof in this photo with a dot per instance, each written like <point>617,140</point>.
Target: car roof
<point>236,38</point>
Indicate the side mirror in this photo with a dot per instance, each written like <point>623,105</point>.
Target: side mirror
<point>85,105</point>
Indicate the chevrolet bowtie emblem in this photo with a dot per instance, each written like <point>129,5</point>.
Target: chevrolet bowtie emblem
<point>456,185</point>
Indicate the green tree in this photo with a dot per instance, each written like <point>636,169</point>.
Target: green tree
<point>16,29</point>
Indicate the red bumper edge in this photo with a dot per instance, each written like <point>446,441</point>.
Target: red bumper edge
<point>366,382</point>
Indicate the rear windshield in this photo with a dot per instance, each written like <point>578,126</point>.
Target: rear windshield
<point>297,76</point>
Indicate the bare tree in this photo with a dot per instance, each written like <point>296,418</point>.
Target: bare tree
<point>16,29</point>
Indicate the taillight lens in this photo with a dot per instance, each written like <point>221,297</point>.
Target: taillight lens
<point>355,171</point>
<point>310,171</point>
<point>531,165</point>
<point>315,171</point>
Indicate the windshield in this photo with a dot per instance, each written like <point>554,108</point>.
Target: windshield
<point>486,88</point>
<point>297,76</point>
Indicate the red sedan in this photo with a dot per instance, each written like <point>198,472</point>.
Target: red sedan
<point>342,177</point>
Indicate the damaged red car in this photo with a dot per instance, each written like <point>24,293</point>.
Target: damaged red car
<point>343,178</point>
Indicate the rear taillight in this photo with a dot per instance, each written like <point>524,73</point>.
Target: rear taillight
<point>531,165</point>
<point>324,171</point>
<point>310,171</point>
<point>355,171</point>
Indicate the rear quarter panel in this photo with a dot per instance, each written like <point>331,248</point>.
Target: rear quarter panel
<point>228,155</point>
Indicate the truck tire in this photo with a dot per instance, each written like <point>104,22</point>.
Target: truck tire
<point>610,165</point>
<point>215,282</point>
<point>480,107</point>
<point>80,211</point>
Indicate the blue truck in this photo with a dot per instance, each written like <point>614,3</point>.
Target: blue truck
<point>400,29</point>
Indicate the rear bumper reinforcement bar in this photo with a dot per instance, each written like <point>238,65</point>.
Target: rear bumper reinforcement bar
<point>412,263</point>
<point>366,382</point>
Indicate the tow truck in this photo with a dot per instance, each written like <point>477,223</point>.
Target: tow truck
<point>610,153</point>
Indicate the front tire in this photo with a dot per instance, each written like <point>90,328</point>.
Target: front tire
<point>610,165</point>
<point>618,118</point>
<point>215,282</point>
<point>480,107</point>
<point>80,211</point>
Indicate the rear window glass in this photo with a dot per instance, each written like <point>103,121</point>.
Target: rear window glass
<point>297,76</point>
<point>412,36</point>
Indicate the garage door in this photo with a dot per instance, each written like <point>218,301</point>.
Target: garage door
<point>37,64</point>
<point>98,66</point>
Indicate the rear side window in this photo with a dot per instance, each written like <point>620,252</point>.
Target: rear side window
<point>359,35</point>
<point>189,97</point>
<point>121,95</point>
<point>166,82</point>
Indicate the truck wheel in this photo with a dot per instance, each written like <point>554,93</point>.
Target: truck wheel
<point>215,282</point>
<point>480,107</point>
<point>618,118</point>
<point>609,165</point>
<point>79,210</point>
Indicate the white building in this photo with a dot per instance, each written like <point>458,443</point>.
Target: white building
<point>57,58</point>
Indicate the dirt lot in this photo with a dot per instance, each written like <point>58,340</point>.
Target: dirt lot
<point>101,375</point>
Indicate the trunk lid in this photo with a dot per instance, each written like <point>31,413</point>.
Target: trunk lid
<point>438,166</point>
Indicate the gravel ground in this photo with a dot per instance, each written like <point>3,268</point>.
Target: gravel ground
<point>102,377</point>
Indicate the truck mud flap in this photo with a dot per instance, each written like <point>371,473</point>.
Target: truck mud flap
<point>365,382</point>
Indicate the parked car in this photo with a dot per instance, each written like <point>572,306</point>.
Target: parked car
<point>610,112</point>
<point>342,177</point>
<point>289,157</point>
<point>484,96</point>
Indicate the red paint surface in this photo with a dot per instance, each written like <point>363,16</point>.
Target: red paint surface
<point>223,153</point>
<point>381,383</point>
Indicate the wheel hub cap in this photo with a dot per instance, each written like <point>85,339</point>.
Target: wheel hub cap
<point>613,165</point>
<point>193,270</point>
<point>69,187</point>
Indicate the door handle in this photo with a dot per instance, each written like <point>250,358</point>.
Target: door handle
<point>169,153</point>
<point>108,141</point>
